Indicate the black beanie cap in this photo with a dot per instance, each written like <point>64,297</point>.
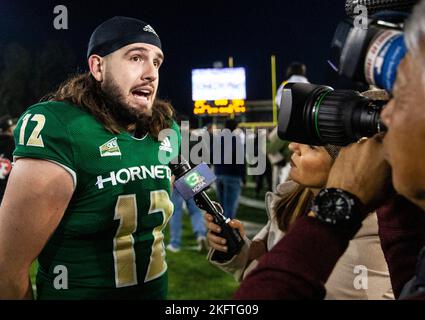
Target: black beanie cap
<point>117,32</point>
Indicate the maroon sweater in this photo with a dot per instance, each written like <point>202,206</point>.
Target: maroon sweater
<point>402,234</point>
<point>300,264</point>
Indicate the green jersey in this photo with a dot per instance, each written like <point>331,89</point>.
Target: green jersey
<point>109,243</point>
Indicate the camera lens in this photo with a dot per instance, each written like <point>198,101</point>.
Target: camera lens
<point>319,115</point>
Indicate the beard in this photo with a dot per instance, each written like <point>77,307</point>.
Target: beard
<point>122,112</point>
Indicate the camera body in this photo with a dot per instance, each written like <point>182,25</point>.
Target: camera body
<point>368,53</point>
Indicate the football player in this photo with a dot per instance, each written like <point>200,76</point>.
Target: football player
<point>89,194</point>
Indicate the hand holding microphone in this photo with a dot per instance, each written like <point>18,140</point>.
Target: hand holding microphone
<point>191,183</point>
<point>215,241</point>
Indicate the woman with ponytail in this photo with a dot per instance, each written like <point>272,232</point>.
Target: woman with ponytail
<point>310,166</point>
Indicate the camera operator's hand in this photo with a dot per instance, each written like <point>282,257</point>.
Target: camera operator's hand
<point>219,243</point>
<point>360,168</point>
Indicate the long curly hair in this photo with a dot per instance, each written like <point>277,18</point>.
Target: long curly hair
<point>84,91</point>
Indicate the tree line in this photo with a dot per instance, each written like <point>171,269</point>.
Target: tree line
<point>27,75</point>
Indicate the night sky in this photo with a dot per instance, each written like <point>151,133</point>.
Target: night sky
<point>195,35</point>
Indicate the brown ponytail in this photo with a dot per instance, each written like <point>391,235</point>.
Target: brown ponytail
<point>291,206</point>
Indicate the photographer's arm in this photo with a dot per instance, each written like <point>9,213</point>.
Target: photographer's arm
<point>35,200</point>
<point>299,265</point>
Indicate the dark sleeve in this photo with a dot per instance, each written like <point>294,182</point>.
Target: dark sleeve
<point>299,265</point>
<point>401,230</point>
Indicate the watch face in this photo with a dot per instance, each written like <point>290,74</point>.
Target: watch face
<point>333,206</point>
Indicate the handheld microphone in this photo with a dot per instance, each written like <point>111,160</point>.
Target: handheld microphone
<point>191,183</point>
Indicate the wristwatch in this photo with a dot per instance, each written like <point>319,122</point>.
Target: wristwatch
<point>338,207</point>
